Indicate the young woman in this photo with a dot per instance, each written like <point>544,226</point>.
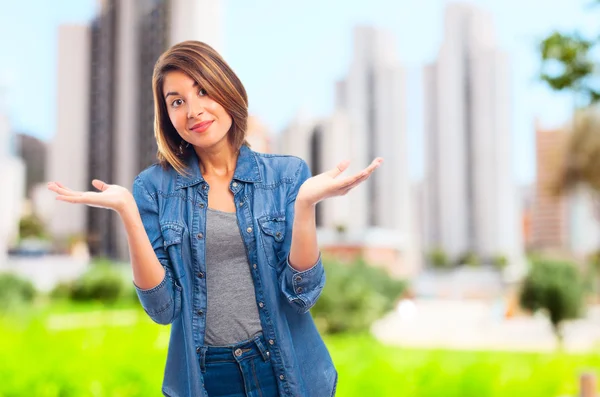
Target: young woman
<point>223,240</point>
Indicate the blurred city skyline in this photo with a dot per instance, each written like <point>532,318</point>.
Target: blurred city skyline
<point>296,68</point>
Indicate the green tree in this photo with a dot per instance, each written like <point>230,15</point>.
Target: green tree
<point>570,64</point>
<point>556,288</point>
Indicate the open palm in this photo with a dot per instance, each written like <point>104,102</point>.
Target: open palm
<point>113,197</point>
<point>328,184</point>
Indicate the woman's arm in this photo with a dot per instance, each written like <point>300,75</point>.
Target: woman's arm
<point>303,277</point>
<point>139,213</point>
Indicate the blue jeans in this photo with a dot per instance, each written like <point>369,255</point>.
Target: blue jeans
<point>240,370</point>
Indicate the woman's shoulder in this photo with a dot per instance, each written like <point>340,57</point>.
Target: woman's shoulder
<point>282,165</point>
<point>155,176</point>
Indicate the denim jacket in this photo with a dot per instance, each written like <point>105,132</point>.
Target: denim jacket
<point>173,210</point>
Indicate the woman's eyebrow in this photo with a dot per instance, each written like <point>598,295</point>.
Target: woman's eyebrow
<point>176,93</point>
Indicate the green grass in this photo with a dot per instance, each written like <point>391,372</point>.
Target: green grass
<point>367,367</point>
<point>92,355</point>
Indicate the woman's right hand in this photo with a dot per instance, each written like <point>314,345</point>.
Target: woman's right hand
<point>113,197</point>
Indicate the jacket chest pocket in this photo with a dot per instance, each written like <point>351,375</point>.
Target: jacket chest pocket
<point>273,232</point>
<point>172,242</point>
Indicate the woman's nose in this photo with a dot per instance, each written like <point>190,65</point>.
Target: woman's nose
<point>195,108</point>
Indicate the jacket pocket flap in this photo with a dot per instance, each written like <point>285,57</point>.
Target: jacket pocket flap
<point>273,226</point>
<point>172,233</point>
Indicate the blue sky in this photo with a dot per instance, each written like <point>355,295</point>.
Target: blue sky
<point>289,56</point>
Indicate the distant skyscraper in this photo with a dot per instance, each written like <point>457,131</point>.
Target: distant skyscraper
<point>68,154</point>
<point>472,198</point>
<point>369,121</point>
<point>567,222</point>
<point>258,136</point>
<point>549,221</point>
<point>13,178</point>
<point>33,152</point>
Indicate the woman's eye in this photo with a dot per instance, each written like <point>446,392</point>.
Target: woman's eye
<point>176,103</point>
<point>202,92</point>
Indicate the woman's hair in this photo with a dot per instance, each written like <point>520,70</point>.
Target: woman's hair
<point>208,69</point>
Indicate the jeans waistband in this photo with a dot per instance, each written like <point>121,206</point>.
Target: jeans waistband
<point>252,347</point>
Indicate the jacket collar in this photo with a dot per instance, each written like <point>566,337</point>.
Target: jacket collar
<point>246,169</point>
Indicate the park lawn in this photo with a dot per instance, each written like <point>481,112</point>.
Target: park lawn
<point>121,353</point>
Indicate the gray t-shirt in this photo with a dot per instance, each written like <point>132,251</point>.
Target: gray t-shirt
<point>231,313</point>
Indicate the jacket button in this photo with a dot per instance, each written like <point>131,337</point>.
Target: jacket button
<point>281,377</point>
<point>234,184</point>
<point>200,236</point>
<point>249,230</point>
<point>297,279</point>
<point>201,205</point>
<point>299,290</point>
<point>200,275</point>
<point>254,266</point>
<point>238,352</point>
<point>261,305</point>
<point>200,312</point>
<point>271,342</point>
<point>198,350</point>
<point>241,203</point>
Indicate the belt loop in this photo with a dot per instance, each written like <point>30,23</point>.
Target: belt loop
<point>261,348</point>
<point>203,350</point>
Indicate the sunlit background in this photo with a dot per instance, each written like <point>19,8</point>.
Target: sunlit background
<point>467,265</point>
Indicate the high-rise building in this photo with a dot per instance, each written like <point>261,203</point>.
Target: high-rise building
<point>68,154</point>
<point>33,152</point>
<point>13,176</point>
<point>563,222</point>
<point>258,135</point>
<point>125,40</point>
<point>369,121</point>
<point>549,218</point>
<point>471,194</point>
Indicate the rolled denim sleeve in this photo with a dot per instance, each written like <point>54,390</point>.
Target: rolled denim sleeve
<point>301,288</point>
<point>162,302</point>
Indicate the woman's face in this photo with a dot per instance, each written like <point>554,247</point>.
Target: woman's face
<point>197,118</point>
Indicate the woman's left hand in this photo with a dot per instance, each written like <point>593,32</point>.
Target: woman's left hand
<point>327,184</point>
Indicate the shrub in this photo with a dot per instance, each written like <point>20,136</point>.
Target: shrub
<point>355,295</point>
<point>32,226</point>
<point>103,282</point>
<point>556,288</point>
<point>469,258</point>
<point>438,258</point>
<point>14,291</point>
<point>499,261</point>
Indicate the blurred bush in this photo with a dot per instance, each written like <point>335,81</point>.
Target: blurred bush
<point>355,295</point>
<point>31,226</point>
<point>14,292</point>
<point>438,259</point>
<point>499,261</point>
<point>556,288</point>
<point>103,282</point>
<point>468,258</point>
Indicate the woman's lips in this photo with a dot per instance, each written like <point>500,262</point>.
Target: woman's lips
<point>201,127</point>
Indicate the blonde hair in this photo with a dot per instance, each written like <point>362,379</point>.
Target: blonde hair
<point>208,69</point>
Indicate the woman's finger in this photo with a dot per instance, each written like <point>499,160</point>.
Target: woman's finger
<point>63,191</point>
<point>357,182</point>
<point>100,185</point>
<point>345,183</point>
<point>341,167</point>
<point>71,199</point>
<point>61,185</point>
